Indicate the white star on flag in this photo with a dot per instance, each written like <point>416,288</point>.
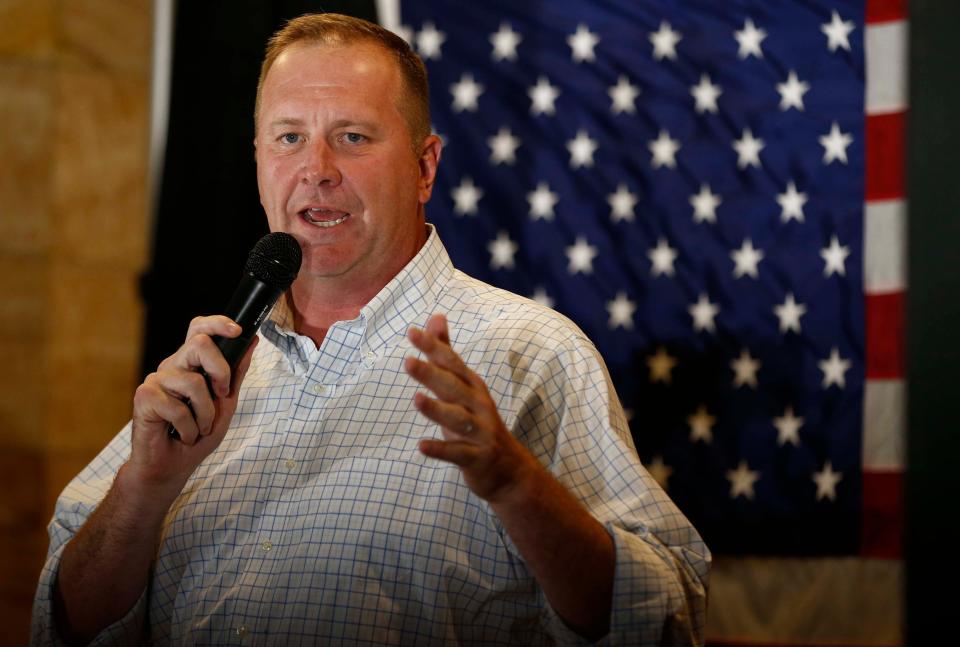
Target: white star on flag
<point>660,471</point>
<point>540,296</point>
<point>505,42</point>
<point>791,203</point>
<point>465,93</point>
<point>705,204</point>
<point>581,149</point>
<point>742,480</point>
<point>792,91</point>
<point>703,313</point>
<point>705,94</point>
<point>788,428</point>
<point>749,39</point>
<point>465,197</point>
<point>501,251</point>
<point>748,149</point>
<point>746,259</point>
<point>661,364</point>
<point>542,97</point>
<point>429,41</point>
<point>665,42</point>
<point>623,96</point>
<point>582,43</point>
<point>838,32</point>
<point>503,147</point>
<point>835,144</point>
<point>542,201</point>
<point>834,369</point>
<point>661,258</point>
<point>622,203</point>
<point>745,370</point>
<point>580,256</point>
<point>789,313</point>
<point>834,257</point>
<point>827,481</point>
<point>664,150</point>
<point>701,425</point>
<point>621,311</point>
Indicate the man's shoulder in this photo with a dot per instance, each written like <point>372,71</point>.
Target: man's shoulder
<point>495,314</point>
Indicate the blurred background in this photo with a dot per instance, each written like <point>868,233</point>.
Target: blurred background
<point>128,204</point>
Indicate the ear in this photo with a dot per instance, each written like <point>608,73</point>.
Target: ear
<point>428,162</point>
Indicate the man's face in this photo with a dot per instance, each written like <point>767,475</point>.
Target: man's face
<point>335,162</point>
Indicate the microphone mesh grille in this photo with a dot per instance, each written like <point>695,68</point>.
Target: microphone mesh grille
<point>275,260</point>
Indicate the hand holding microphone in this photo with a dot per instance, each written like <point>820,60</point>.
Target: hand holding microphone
<point>271,268</point>
<point>193,393</point>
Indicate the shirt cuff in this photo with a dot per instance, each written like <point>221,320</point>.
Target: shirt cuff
<point>657,598</point>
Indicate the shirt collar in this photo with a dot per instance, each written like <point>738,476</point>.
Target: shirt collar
<point>405,301</point>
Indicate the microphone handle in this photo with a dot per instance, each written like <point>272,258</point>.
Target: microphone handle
<point>248,307</point>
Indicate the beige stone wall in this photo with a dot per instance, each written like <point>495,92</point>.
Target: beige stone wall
<point>74,118</point>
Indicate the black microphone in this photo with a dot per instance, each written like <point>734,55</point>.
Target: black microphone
<point>271,267</point>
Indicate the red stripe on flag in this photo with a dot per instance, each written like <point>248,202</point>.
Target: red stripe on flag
<point>884,336</point>
<point>881,530</point>
<point>884,156</point>
<point>885,11</point>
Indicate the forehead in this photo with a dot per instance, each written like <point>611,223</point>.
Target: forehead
<point>316,68</point>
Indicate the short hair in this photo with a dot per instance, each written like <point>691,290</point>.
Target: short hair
<point>338,29</point>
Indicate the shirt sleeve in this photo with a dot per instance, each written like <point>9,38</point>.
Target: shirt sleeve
<point>74,506</point>
<point>571,419</point>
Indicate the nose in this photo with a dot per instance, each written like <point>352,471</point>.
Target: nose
<point>320,166</point>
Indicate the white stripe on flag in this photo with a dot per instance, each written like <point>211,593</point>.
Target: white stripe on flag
<point>883,425</point>
<point>884,264</point>
<point>388,14</point>
<point>886,54</point>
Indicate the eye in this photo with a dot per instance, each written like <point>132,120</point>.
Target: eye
<point>354,138</point>
<point>290,138</point>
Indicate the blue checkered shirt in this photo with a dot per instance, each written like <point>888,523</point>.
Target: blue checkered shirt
<point>318,521</point>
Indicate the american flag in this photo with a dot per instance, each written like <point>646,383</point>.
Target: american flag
<point>687,182</point>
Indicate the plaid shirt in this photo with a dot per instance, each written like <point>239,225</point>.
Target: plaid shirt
<point>318,521</point>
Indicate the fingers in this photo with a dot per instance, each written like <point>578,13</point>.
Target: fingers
<point>454,418</point>
<point>200,352</point>
<point>434,343</point>
<point>213,325</point>
<point>459,453</point>
<point>191,389</point>
<point>437,325</point>
<point>154,406</point>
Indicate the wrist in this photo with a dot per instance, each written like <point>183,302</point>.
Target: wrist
<point>145,500</point>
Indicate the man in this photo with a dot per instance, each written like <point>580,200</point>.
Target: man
<point>314,504</point>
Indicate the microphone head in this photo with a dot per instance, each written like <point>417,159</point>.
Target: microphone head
<point>275,260</point>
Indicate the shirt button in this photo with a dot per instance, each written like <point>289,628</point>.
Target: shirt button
<point>267,546</point>
<point>319,389</point>
<point>241,630</point>
<point>370,356</point>
<point>290,463</point>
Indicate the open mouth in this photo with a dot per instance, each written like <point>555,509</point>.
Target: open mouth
<point>324,217</point>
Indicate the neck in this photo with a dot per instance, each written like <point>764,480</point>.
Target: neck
<point>318,302</point>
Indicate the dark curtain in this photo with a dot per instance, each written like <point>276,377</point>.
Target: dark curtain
<point>209,214</point>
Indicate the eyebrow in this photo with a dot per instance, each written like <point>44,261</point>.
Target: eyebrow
<point>286,121</point>
<point>340,123</point>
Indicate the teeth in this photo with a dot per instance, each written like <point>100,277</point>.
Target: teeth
<point>323,223</point>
